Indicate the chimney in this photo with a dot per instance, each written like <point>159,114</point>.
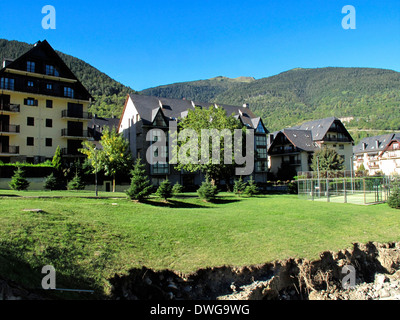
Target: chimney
<point>6,62</point>
<point>364,146</point>
<point>377,144</point>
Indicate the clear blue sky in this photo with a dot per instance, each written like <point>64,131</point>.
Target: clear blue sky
<point>149,43</point>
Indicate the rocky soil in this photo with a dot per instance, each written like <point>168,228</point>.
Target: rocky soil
<point>376,275</point>
<point>376,266</point>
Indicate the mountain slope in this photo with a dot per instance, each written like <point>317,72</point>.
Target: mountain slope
<point>109,94</point>
<point>371,96</point>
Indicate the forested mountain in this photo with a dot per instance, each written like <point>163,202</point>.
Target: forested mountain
<point>371,96</point>
<point>109,94</point>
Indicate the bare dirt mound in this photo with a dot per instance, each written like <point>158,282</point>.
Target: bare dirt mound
<point>376,276</point>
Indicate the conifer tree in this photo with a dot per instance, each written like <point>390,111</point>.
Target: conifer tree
<point>18,181</point>
<point>164,191</point>
<point>140,185</point>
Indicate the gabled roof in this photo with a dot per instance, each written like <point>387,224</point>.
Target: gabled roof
<point>374,144</point>
<point>301,139</point>
<point>172,109</point>
<point>320,127</point>
<point>42,50</point>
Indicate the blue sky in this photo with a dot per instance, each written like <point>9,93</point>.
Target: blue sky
<point>149,43</point>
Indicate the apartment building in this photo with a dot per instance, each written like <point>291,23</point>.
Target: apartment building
<point>378,154</point>
<point>292,149</point>
<point>143,113</point>
<point>42,105</point>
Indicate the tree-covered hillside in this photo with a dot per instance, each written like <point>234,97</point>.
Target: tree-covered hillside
<point>371,96</point>
<point>109,94</point>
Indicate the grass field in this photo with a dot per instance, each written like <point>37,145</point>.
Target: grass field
<point>89,240</point>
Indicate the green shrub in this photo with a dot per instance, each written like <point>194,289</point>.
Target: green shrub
<point>18,181</point>
<point>164,191</point>
<point>140,185</point>
<point>394,199</point>
<point>177,188</point>
<point>76,183</point>
<point>207,191</point>
<point>251,188</point>
<point>51,183</point>
<point>292,187</point>
<point>239,186</point>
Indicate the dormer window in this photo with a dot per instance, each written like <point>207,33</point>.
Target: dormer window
<point>51,70</point>
<point>68,92</point>
<point>30,66</point>
<point>260,128</point>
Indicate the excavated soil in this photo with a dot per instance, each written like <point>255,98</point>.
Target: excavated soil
<point>377,276</point>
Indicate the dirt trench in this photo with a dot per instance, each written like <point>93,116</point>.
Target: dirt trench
<point>290,279</point>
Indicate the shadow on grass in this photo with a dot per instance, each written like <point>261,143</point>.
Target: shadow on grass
<point>172,204</point>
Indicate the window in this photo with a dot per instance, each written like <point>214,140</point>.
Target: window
<point>30,141</point>
<point>51,70</point>
<point>260,128</point>
<point>30,84</point>
<point>7,83</point>
<point>68,92</point>
<point>49,86</point>
<point>261,140</point>
<point>31,102</point>
<point>30,66</point>
<point>262,153</point>
<point>30,121</point>
<point>49,103</point>
<point>49,142</point>
<point>261,166</point>
<point>160,168</point>
<point>341,146</point>
<point>49,123</point>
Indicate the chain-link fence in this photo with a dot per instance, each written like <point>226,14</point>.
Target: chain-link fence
<point>343,187</point>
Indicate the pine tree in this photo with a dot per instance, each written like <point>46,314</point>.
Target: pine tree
<point>207,191</point>
<point>57,160</point>
<point>239,186</point>
<point>51,182</point>
<point>18,181</point>
<point>140,185</point>
<point>177,188</point>
<point>76,183</point>
<point>164,191</point>
<point>251,188</point>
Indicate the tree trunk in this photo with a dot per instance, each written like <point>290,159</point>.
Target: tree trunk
<point>113,183</point>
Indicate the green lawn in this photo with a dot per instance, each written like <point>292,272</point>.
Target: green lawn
<point>89,240</point>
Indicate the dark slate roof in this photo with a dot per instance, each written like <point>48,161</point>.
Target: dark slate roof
<point>173,109</point>
<point>374,144</point>
<point>318,128</point>
<point>96,125</point>
<point>300,138</point>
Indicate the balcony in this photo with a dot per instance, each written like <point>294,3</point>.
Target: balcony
<point>9,129</point>
<point>74,134</point>
<point>9,151</point>
<point>373,166</point>
<point>10,108</point>
<point>336,139</point>
<point>283,150</point>
<point>292,162</point>
<point>68,114</point>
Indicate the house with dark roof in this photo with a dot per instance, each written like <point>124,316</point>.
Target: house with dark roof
<point>143,113</point>
<point>290,150</point>
<point>379,154</point>
<point>42,105</point>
